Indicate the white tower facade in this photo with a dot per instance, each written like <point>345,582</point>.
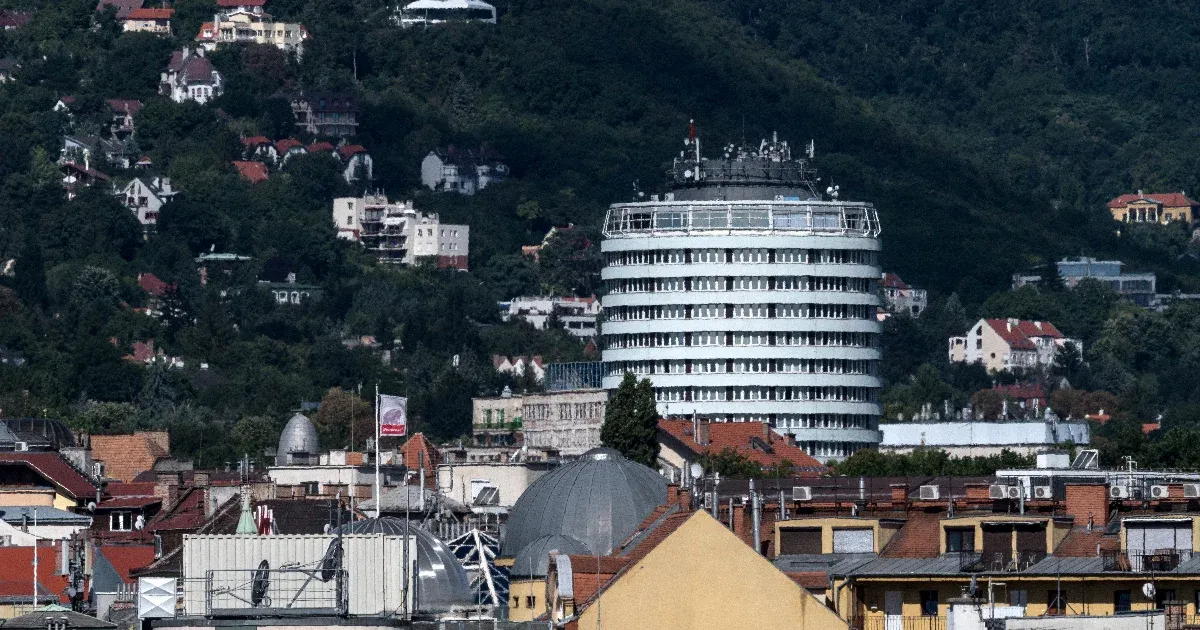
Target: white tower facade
<point>744,299</point>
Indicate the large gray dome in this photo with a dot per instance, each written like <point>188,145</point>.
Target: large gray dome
<point>534,559</point>
<point>298,444</point>
<point>442,581</point>
<point>599,500</point>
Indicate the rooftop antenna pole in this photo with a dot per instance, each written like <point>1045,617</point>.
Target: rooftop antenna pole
<point>378,485</point>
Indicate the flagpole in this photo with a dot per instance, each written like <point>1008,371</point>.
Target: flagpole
<point>378,451</point>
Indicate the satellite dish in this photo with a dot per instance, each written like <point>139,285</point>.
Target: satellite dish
<point>1148,590</point>
<point>260,585</point>
<point>91,506</point>
<point>687,173</point>
<point>332,562</point>
<point>697,470</point>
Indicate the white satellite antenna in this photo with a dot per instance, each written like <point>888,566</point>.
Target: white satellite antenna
<point>1148,590</point>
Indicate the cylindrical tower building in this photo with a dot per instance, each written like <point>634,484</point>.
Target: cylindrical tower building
<point>744,296</point>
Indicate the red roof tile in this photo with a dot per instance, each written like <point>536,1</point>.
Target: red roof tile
<point>812,580</point>
<point>126,558</point>
<point>127,503</point>
<point>319,146</point>
<point>287,144</point>
<point>1080,543</point>
<point>417,449</point>
<point>130,488</point>
<point>124,105</point>
<point>255,141</point>
<point>53,468</point>
<point>1168,200</point>
<point>350,150</point>
<point>1019,334</point>
<point>187,513</point>
<point>125,456</point>
<point>15,571</point>
<point>918,538</point>
<point>150,14</point>
<point>152,284</point>
<point>893,281</point>
<point>255,172</point>
<point>753,440</point>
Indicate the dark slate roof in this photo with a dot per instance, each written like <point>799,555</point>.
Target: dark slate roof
<point>534,559</point>
<point>43,515</point>
<point>442,580</point>
<point>52,616</point>
<point>599,499</point>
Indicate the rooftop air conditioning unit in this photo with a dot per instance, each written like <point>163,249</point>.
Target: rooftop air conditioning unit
<point>22,446</point>
<point>999,491</point>
<point>1159,492</point>
<point>1014,492</point>
<point>801,493</point>
<point>929,493</point>
<point>1118,492</point>
<point>1042,492</point>
<point>1191,490</point>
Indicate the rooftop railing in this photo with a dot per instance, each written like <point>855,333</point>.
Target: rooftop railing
<point>1156,561</point>
<point>997,562</point>
<point>729,217</point>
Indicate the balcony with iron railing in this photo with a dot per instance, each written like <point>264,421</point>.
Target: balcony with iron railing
<point>998,562</point>
<point>730,217</point>
<point>1157,561</point>
<point>899,622</point>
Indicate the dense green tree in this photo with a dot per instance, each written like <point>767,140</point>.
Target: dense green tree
<point>631,421</point>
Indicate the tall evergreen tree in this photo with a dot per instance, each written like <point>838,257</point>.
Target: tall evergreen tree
<point>30,274</point>
<point>631,421</point>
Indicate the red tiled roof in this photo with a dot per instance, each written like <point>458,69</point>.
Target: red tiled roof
<point>127,503</point>
<point>287,144</point>
<point>126,558</point>
<point>255,141</point>
<point>350,150</point>
<point>125,456</point>
<point>187,513</point>
<point>150,14</point>
<point>129,488</point>
<point>918,538</point>
<point>143,352</point>
<point>810,579</point>
<point>207,26</point>
<point>893,281</point>
<point>417,449</point>
<point>124,105</point>
<point>1080,543</point>
<point>1150,427</point>
<point>14,19</point>
<point>152,284</point>
<point>56,470</point>
<point>255,172</point>
<point>1168,200</point>
<point>753,440</point>
<point>15,571</point>
<point>1019,333</point>
<point>319,146</point>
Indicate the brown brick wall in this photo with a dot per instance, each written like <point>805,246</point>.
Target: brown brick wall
<point>1088,502</point>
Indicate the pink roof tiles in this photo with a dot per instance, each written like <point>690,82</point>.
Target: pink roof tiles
<point>254,172</point>
<point>1168,200</point>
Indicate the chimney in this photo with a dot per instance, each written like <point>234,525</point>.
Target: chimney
<point>738,518</point>
<point>685,499</point>
<point>200,479</point>
<point>672,494</point>
<point>702,436</point>
<point>1088,503</point>
<point>899,495</point>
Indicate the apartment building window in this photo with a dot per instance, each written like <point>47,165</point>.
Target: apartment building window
<point>311,488</point>
<point>1018,597</point>
<point>960,540</point>
<point>1056,602</point>
<point>1122,602</point>
<point>929,603</point>
<point>120,521</point>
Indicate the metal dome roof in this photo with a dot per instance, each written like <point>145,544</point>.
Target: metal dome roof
<point>299,437</point>
<point>534,559</point>
<point>598,499</point>
<point>442,581</point>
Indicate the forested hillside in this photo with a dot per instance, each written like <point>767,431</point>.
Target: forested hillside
<point>989,138</point>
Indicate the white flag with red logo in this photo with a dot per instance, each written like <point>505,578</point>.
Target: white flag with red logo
<point>393,416</point>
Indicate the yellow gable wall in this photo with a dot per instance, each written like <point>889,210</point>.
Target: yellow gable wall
<point>702,576</point>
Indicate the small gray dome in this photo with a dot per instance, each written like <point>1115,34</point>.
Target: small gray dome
<point>298,444</point>
<point>598,499</point>
<point>442,582</point>
<point>534,559</point>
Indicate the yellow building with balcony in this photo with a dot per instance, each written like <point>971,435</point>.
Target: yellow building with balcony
<point>1159,208</point>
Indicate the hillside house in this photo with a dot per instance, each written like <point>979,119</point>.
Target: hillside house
<point>462,170</point>
<point>1159,208</point>
<point>426,13</point>
<point>326,114</point>
<point>260,148</point>
<point>358,167</point>
<point>247,6</point>
<point>253,26</point>
<point>157,21</point>
<point>1005,344</point>
<point>91,150</point>
<point>8,70</point>
<point>398,234</point>
<point>123,111</point>
<point>190,76</point>
<point>900,297</point>
<point>122,7</point>
<point>11,20</point>
<point>145,197</point>
<point>576,315</point>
